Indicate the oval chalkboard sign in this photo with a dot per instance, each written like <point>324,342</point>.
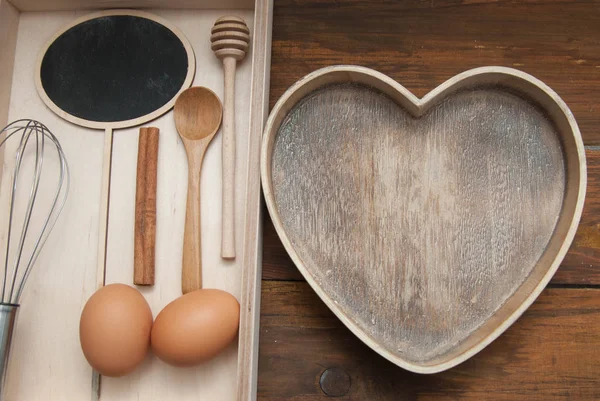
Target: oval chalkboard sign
<point>115,69</point>
<point>109,70</point>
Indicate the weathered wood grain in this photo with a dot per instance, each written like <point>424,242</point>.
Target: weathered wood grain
<point>423,43</point>
<point>418,230</point>
<point>581,266</point>
<point>551,353</point>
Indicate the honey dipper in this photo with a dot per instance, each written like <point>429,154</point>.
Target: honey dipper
<point>229,37</point>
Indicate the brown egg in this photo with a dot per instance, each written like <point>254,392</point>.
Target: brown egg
<point>195,327</point>
<point>114,329</point>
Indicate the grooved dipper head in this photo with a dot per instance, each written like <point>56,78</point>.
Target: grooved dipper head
<point>230,37</point>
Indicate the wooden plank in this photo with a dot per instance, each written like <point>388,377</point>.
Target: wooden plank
<point>252,241</point>
<point>277,264</point>
<point>551,353</point>
<point>582,263</point>
<point>581,266</point>
<point>9,22</point>
<point>53,5</point>
<point>421,44</point>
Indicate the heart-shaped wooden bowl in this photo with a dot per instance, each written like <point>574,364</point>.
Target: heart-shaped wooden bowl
<point>428,225</point>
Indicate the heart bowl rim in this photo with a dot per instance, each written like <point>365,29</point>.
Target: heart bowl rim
<point>575,188</point>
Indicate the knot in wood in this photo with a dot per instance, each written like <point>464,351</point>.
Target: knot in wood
<point>335,382</point>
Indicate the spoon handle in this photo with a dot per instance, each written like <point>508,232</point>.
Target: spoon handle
<point>228,217</point>
<point>191,274</point>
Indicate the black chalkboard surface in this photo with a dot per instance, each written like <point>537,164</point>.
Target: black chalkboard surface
<point>114,68</point>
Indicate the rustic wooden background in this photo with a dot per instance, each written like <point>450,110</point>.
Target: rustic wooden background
<point>553,351</point>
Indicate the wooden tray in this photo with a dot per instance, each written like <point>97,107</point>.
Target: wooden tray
<point>46,359</point>
<point>427,225</point>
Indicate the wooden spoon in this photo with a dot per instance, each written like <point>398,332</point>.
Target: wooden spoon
<point>198,113</point>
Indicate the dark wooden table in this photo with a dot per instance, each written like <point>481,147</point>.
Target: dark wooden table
<point>553,351</point>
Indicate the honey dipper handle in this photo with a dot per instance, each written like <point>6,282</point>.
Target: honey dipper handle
<point>228,217</point>
<point>191,274</point>
<point>145,207</point>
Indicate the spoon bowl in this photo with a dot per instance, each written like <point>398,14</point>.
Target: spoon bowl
<point>198,112</point>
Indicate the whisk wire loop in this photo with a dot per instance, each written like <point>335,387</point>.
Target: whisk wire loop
<point>39,161</point>
<point>30,129</point>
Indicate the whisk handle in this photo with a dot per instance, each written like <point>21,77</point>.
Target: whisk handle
<point>8,319</point>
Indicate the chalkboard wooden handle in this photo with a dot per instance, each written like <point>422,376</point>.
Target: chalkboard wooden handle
<point>104,204</point>
<point>145,207</point>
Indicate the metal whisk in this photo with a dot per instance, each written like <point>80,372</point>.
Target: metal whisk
<point>34,142</point>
